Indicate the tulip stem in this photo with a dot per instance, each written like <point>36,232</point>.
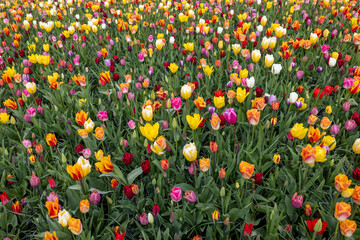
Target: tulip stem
<point>244,196</point>
<point>235,138</point>
<point>306,175</point>
<point>336,230</point>
<point>353,215</point>
<point>333,204</point>
<point>152,226</point>
<point>314,236</point>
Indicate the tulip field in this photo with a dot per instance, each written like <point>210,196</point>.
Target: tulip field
<point>193,119</point>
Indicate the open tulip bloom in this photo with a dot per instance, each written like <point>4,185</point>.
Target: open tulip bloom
<point>131,119</point>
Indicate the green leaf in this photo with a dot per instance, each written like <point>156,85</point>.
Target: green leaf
<point>134,174</point>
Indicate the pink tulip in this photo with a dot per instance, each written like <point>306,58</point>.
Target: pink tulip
<point>230,116</point>
<point>131,124</point>
<point>348,83</point>
<point>190,196</point>
<point>86,152</point>
<point>176,103</point>
<point>102,115</point>
<point>297,200</point>
<point>176,194</point>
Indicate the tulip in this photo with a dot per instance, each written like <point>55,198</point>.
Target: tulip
<point>150,131</point>
<point>186,92</point>
<point>84,206</point>
<point>276,158</point>
<point>190,152</point>
<point>348,227</point>
<point>147,113</point>
<point>276,68</point>
<point>215,215</point>
<point>190,196</point>
<point>241,95</point>
<point>297,200</point>
<point>176,194</point>
<point>194,121</point>
<point>255,55</point>
<point>94,197</point>
<point>75,226</point>
<point>253,116</point>
<point>356,146</point>
<point>230,116</point>
<point>342,182</point>
<point>342,211</point>
<point>34,180</point>
<point>143,219</point>
<point>63,218</point>
<point>173,67</point>
<point>246,169</point>
<point>269,60</point>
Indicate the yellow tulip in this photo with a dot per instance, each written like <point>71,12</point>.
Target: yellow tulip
<point>150,131</point>
<point>298,131</point>
<point>194,121</point>
<point>173,67</point>
<point>241,94</point>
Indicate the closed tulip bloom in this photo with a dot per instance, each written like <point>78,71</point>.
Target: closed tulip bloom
<point>258,103</point>
<point>230,116</point>
<point>241,94</point>
<point>276,158</point>
<point>63,218</point>
<point>293,97</point>
<point>173,67</point>
<point>342,211</point>
<point>236,48</point>
<point>51,139</point>
<point>215,121</point>
<point>150,131</point>
<point>186,92</point>
<point>348,227</point>
<point>330,142</point>
<point>89,125</point>
<point>147,113</point>
<point>350,125</point>
<point>298,131</point>
<point>297,200</point>
<point>190,196</point>
<point>204,164</point>
<point>269,60</point>
<point>219,102</point>
<point>342,182</point>
<point>176,194</point>
<point>30,87</point>
<point>356,146</point>
<point>84,206</point>
<point>325,123</point>
<point>215,215</point>
<point>308,154</point>
<point>246,169</point>
<point>320,154</point>
<point>75,226</point>
<point>159,145</point>
<point>276,68</point>
<point>308,210</point>
<point>99,133</point>
<point>356,195</point>
<point>255,55</point>
<point>265,43</point>
<point>194,121</point>
<point>190,152</point>
<point>253,116</point>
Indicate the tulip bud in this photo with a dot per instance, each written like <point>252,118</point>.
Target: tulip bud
<point>150,218</point>
<point>172,217</point>
<point>237,185</point>
<point>109,200</point>
<point>331,163</point>
<point>12,121</point>
<point>318,226</point>
<point>222,192</point>
<point>226,221</point>
<point>174,123</point>
<point>153,182</point>
<point>63,158</point>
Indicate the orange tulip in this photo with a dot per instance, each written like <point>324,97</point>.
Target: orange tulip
<point>356,195</point>
<point>342,182</point>
<point>53,208</point>
<point>51,139</point>
<point>79,80</point>
<point>308,154</point>
<point>312,119</point>
<point>10,104</point>
<point>213,147</point>
<point>164,164</point>
<point>75,226</point>
<point>105,165</point>
<point>258,103</point>
<point>325,123</point>
<point>204,164</point>
<point>49,236</point>
<point>347,227</point>
<point>81,117</point>
<point>253,116</point>
<point>76,172</point>
<point>99,133</point>
<point>342,211</point>
<point>83,133</point>
<point>215,122</point>
<point>246,169</point>
<point>314,134</point>
<point>84,206</point>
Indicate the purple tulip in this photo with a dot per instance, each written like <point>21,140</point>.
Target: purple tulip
<point>107,62</point>
<point>94,197</point>
<point>350,125</point>
<point>230,116</point>
<point>271,99</point>
<point>297,200</point>
<point>298,104</point>
<point>314,111</point>
<point>52,196</point>
<point>27,117</point>
<point>334,130</point>
<point>346,106</point>
<point>211,110</point>
<point>143,219</point>
<point>34,180</point>
<point>190,196</point>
